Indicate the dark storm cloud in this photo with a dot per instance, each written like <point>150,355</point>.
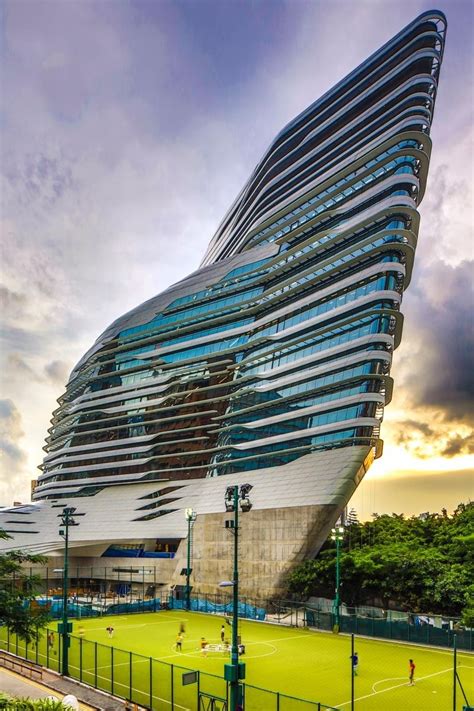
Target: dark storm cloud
<point>441,335</point>
<point>409,425</point>
<point>459,445</point>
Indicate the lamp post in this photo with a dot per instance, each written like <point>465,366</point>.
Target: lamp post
<point>235,671</point>
<point>190,518</point>
<point>337,534</point>
<point>65,626</point>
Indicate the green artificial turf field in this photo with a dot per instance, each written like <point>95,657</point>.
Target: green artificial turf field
<point>293,661</point>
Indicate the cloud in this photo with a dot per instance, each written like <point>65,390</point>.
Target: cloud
<point>20,367</point>
<point>12,457</point>
<point>57,371</point>
<point>12,304</point>
<point>459,445</point>
<point>128,130</point>
<point>433,366</point>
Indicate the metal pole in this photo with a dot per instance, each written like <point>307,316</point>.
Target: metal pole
<point>65,636</point>
<point>352,672</point>
<point>234,684</point>
<point>455,671</point>
<point>188,566</point>
<point>338,578</point>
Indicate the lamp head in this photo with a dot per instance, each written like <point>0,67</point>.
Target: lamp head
<point>190,514</point>
<point>229,498</point>
<point>245,490</point>
<point>245,505</point>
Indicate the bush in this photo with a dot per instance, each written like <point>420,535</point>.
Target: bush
<point>8,703</point>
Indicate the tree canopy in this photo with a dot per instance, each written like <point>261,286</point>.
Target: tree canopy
<point>421,564</point>
<point>17,594</point>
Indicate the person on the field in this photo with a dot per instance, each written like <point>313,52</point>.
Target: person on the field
<point>222,633</point>
<point>355,663</point>
<point>182,628</point>
<point>204,646</point>
<point>411,669</point>
<point>179,642</point>
<point>110,631</point>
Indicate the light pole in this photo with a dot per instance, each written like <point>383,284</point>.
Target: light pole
<point>235,671</point>
<point>65,627</point>
<point>337,534</point>
<point>190,518</point>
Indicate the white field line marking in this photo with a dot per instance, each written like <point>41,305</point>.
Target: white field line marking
<point>119,664</point>
<point>402,643</point>
<point>144,624</point>
<point>215,655</point>
<point>396,686</point>
<point>118,683</point>
<point>394,678</point>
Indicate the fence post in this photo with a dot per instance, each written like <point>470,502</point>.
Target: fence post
<point>455,672</point>
<point>352,672</point>
<point>112,670</point>
<point>172,687</point>
<point>37,643</point>
<point>95,664</point>
<point>80,658</point>
<point>47,646</point>
<point>151,683</point>
<point>278,701</point>
<point>130,677</point>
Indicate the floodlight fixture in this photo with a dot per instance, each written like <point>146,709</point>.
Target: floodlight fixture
<point>245,505</point>
<point>190,514</point>
<point>229,498</point>
<point>245,490</point>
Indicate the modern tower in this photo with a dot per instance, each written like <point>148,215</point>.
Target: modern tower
<point>270,364</point>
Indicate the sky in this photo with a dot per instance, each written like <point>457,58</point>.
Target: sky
<point>127,129</point>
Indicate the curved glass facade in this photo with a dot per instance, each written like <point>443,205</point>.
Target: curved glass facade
<point>281,343</point>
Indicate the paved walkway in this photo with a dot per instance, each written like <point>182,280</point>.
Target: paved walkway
<point>55,685</point>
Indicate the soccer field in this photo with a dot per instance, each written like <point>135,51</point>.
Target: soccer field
<point>295,662</point>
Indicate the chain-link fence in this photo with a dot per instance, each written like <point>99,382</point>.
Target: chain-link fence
<point>148,682</point>
<point>106,590</point>
<point>356,673</point>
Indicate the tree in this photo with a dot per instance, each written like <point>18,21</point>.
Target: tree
<point>17,594</point>
<point>420,564</point>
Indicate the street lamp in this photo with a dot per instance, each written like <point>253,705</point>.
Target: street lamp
<point>337,534</point>
<point>190,518</point>
<point>235,671</point>
<point>65,627</point>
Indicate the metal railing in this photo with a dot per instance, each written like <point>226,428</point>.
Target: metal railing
<point>148,682</point>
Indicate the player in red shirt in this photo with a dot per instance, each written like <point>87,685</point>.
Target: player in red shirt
<point>411,666</point>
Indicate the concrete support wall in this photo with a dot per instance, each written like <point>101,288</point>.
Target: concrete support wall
<point>271,543</point>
